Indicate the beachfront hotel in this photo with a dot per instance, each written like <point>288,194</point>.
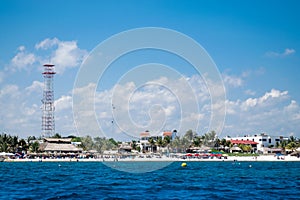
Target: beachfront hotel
<point>262,143</point>
<point>145,136</point>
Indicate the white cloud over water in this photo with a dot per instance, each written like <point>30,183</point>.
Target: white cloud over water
<point>152,107</point>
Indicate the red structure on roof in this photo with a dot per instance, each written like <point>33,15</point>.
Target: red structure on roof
<point>167,133</point>
<point>247,142</point>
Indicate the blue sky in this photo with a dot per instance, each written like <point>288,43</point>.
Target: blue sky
<point>255,45</point>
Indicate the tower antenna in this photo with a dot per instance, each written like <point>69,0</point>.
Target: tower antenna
<point>48,122</point>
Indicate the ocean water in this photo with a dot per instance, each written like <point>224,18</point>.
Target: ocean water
<point>199,180</point>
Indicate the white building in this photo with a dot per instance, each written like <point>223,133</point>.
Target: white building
<point>264,141</point>
<point>145,136</point>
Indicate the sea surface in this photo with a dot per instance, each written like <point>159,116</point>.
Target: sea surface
<point>199,180</point>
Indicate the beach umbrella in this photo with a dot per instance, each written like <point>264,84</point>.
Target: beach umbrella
<point>189,154</point>
<point>197,154</point>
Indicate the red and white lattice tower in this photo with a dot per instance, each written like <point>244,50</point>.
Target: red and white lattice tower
<point>48,122</point>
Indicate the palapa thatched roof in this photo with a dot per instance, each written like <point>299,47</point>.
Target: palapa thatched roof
<point>59,147</point>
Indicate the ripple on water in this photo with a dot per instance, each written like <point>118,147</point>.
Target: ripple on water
<point>199,180</point>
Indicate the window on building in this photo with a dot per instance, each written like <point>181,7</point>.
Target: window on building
<point>270,140</point>
<point>264,140</point>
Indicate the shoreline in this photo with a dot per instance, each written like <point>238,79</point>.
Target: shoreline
<point>264,158</point>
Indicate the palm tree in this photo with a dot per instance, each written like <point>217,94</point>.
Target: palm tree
<point>292,146</point>
<point>217,143</point>
<point>283,144</point>
<point>133,144</point>
<point>175,144</point>
<point>34,147</point>
<point>23,145</point>
<point>166,142</point>
<point>197,141</point>
<point>209,138</point>
<point>189,135</point>
<point>246,148</point>
<point>5,141</point>
<point>14,143</point>
<point>184,143</point>
<point>151,142</point>
<point>159,143</point>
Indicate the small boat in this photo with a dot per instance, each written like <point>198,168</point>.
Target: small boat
<point>2,159</point>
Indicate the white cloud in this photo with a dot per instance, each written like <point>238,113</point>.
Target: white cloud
<point>47,43</point>
<point>21,48</point>
<point>64,102</point>
<point>250,92</point>
<point>67,55</point>
<point>17,114</point>
<point>36,86</point>
<point>285,53</point>
<point>63,54</point>
<point>233,81</point>
<point>22,60</point>
<point>272,112</point>
<point>153,106</point>
<point>269,98</point>
<point>1,76</point>
<point>289,52</point>
<point>161,104</point>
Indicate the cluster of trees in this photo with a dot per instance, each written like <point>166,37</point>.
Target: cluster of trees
<point>210,139</point>
<point>99,144</point>
<point>190,139</point>
<point>292,143</point>
<point>12,144</point>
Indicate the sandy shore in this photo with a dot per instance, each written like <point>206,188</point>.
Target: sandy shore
<point>165,159</point>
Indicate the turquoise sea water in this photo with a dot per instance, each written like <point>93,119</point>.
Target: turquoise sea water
<point>199,180</point>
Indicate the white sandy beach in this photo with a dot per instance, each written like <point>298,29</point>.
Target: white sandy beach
<point>163,159</point>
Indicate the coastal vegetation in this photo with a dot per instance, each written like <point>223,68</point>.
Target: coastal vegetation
<point>178,144</point>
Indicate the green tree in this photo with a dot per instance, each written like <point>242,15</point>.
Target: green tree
<point>159,143</point>
<point>217,143</point>
<point>14,143</point>
<point>197,142</point>
<point>34,147</point>
<point>76,139</point>
<point>133,144</point>
<point>87,143</point>
<point>292,146</point>
<point>5,143</point>
<point>189,135</point>
<point>166,140</point>
<point>151,142</point>
<point>99,144</point>
<point>245,148</point>
<point>209,138</point>
<point>113,142</point>
<point>23,145</point>
<point>175,144</point>
<point>56,135</point>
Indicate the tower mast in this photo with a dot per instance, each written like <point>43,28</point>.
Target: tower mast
<point>48,122</point>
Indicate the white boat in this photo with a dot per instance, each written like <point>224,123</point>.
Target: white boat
<point>2,159</point>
